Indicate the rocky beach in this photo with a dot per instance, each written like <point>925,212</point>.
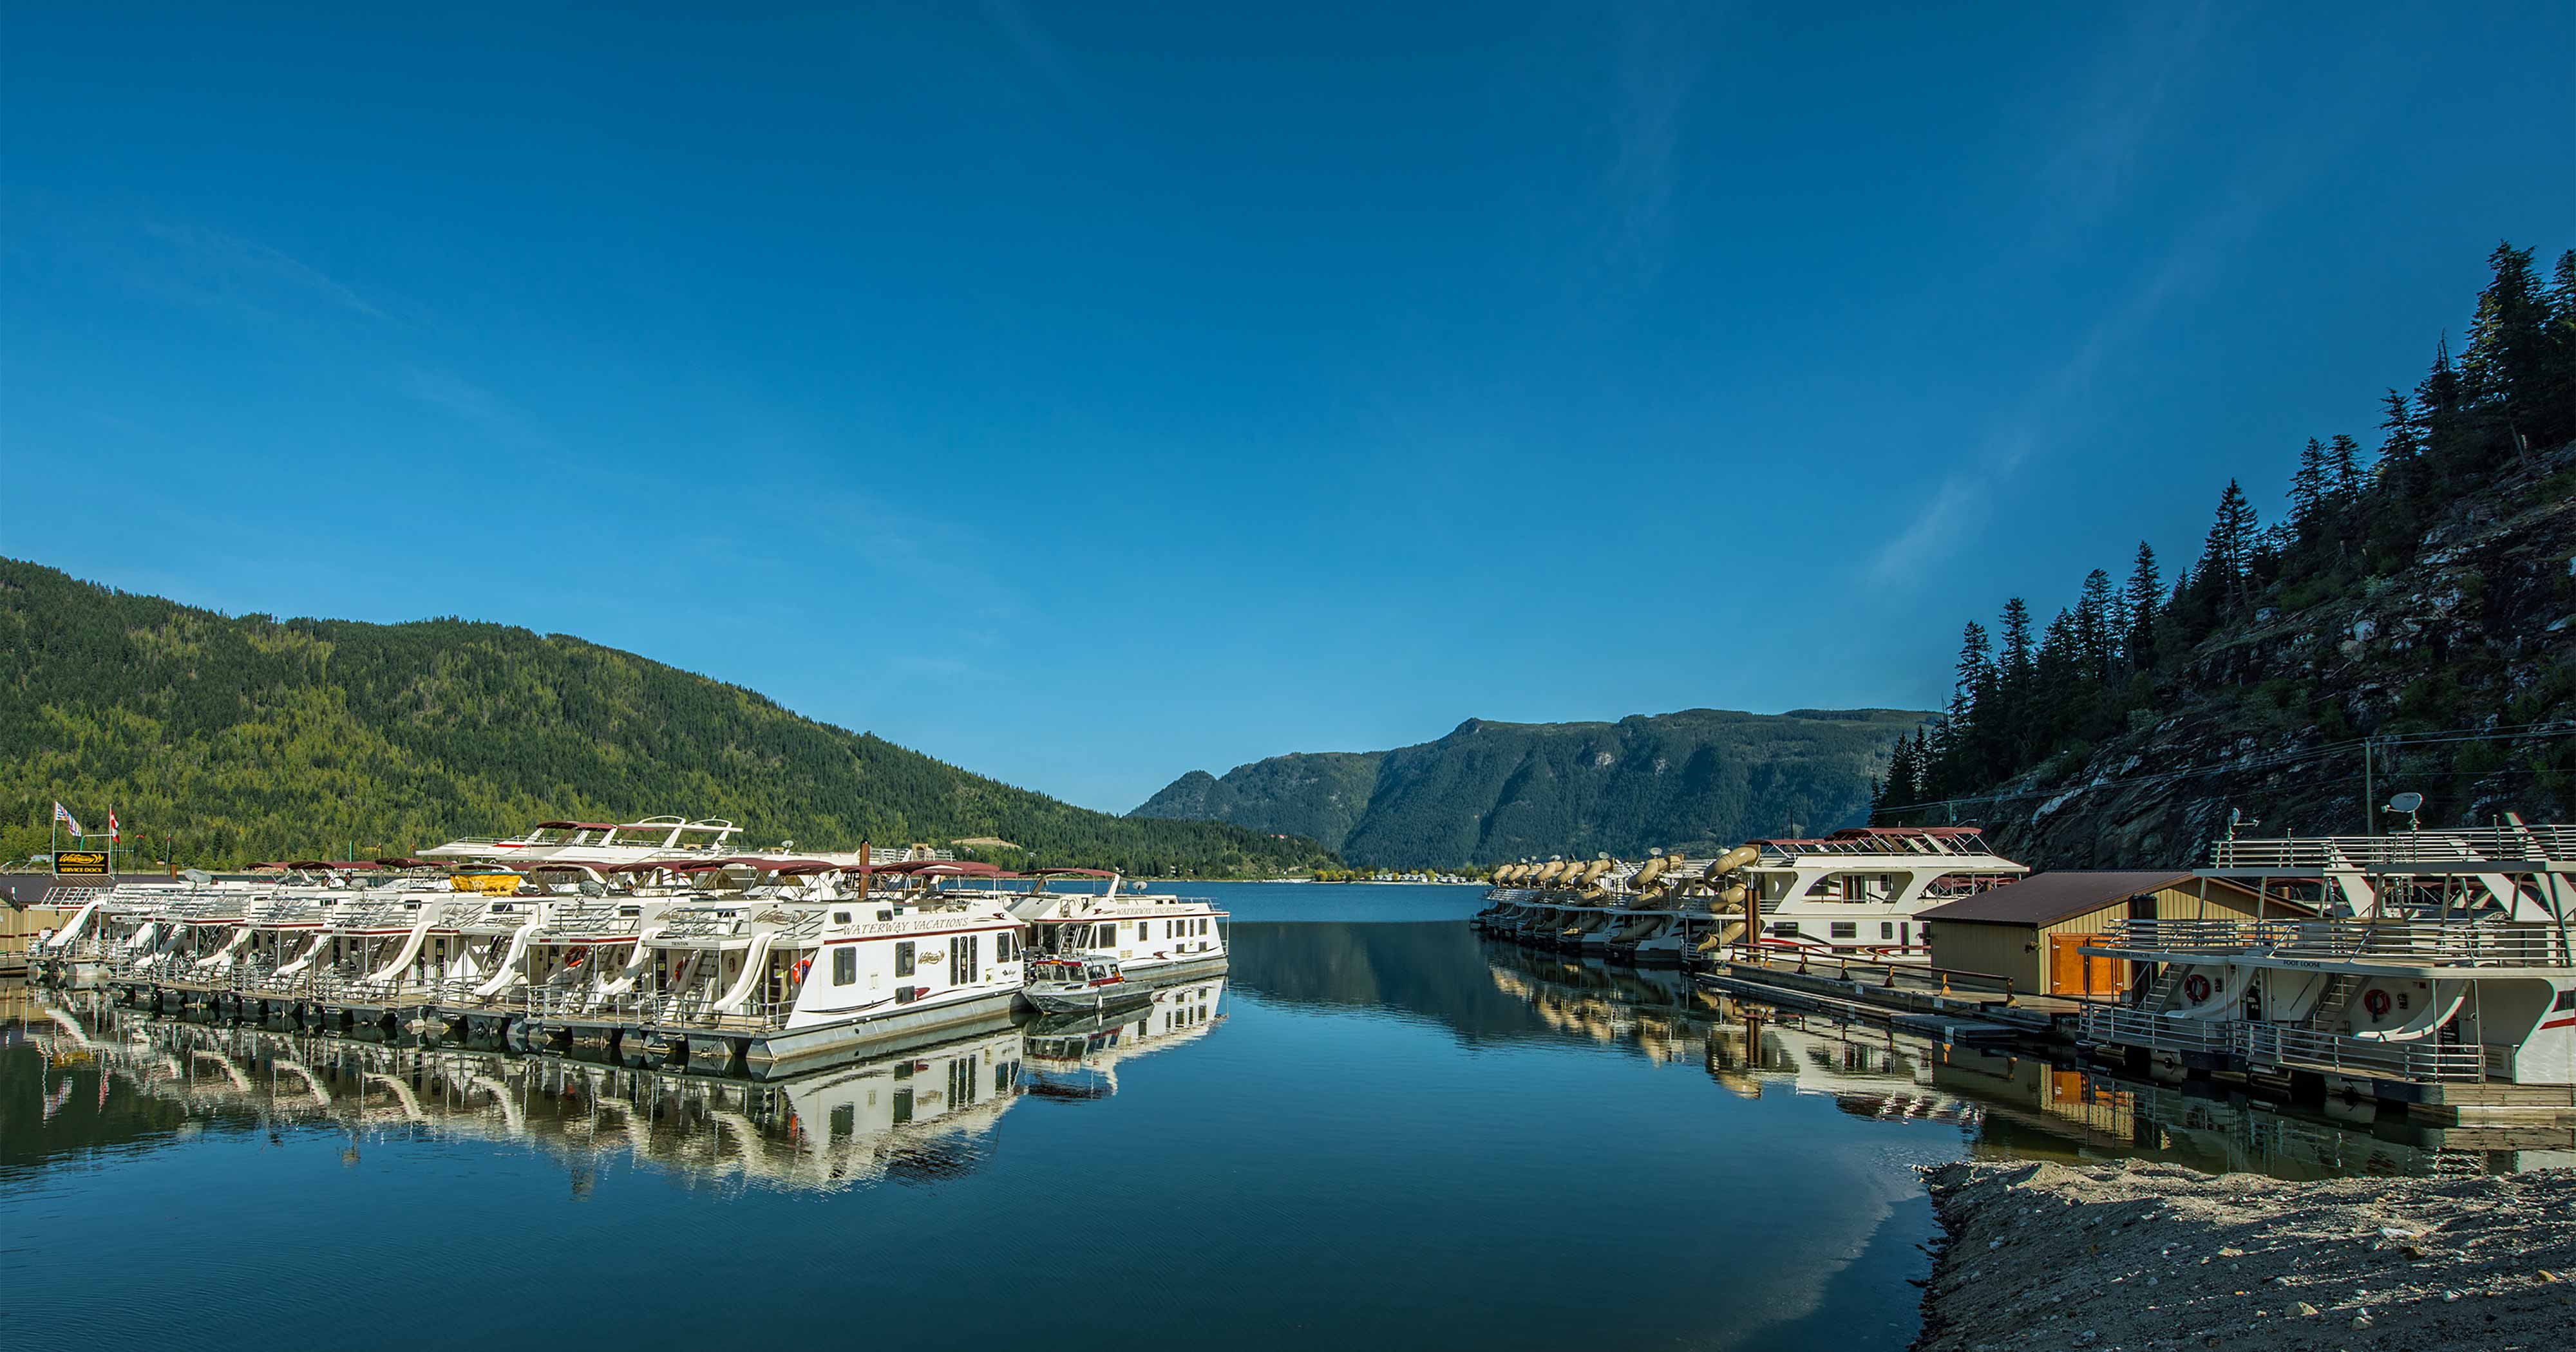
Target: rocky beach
<point>2153,1256</point>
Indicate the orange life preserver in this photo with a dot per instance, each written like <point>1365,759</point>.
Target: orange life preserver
<point>2376,1001</point>
<point>2196,986</point>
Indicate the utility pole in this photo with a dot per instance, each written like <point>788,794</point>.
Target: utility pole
<point>2369,792</point>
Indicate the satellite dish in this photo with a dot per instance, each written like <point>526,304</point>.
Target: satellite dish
<point>2406,802</point>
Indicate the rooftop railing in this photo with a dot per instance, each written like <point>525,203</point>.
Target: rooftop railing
<point>2521,844</point>
<point>2444,943</point>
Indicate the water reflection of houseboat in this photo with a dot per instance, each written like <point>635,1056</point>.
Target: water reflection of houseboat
<point>922,1111</point>
<point>1076,1056</point>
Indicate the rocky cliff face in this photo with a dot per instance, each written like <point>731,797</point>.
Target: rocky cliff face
<point>2270,714</point>
<point>1490,792</point>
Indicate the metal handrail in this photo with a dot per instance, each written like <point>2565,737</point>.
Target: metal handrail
<point>2354,853</point>
<point>2460,943</point>
<point>2416,1059</point>
<point>2122,1026</point>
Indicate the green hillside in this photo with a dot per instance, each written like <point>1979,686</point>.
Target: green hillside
<point>248,737</point>
<point>1490,792</point>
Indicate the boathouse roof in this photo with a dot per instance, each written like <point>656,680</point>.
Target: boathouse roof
<point>2046,898</point>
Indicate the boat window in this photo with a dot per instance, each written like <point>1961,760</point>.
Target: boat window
<point>1887,929</point>
<point>1005,947</point>
<point>903,958</point>
<point>840,917</point>
<point>1845,929</point>
<point>1788,927</point>
<point>885,915</point>
<point>845,965</point>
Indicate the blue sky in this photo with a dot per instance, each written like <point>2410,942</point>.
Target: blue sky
<point>1088,393</point>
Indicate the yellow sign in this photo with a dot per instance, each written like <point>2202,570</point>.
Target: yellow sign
<point>84,863</point>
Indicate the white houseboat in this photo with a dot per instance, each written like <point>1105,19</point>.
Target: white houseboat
<point>2436,973</point>
<point>1154,937</point>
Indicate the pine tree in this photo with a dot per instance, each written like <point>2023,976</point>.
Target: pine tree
<point>2343,468</point>
<point>2503,366</point>
<point>2558,391</point>
<point>2139,600</point>
<point>2402,442</point>
<point>2015,650</point>
<point>2229,549</point>
<point>2308,484</point>
<point>2096,642</point>
<point>1964,759</point>
<point>2437,399</point>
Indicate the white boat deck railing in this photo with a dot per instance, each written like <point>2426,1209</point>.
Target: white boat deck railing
<point>2273,1044</point>
<point>2125,1027</point>
<point>2309,854</point>
<point>2442,943</point>
<point>708,922</point>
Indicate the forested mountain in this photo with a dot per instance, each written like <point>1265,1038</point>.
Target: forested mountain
<point>2409,623</point>
<point>1492,792</point>
<point>248,737</point>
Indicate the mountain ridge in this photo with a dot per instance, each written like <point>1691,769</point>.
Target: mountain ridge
<point>1491,790</point>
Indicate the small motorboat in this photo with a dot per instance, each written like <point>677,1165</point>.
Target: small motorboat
<point>1082,983</point>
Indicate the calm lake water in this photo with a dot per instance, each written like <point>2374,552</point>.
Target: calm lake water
<point>1378,1130</point>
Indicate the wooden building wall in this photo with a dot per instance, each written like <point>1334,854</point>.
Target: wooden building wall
<point>2027,952</point>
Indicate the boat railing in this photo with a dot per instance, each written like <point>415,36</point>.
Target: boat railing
<point>2274,1044</point>
<point>589,921</point>
<point>2447,943</point>
<point>708,922</point>
<point>2514,844</point>
<point>2122,1026</point>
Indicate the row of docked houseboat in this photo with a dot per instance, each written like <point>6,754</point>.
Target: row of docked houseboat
<point>1856,893</point>
<point>694,958</point>
<point>2432,969</point>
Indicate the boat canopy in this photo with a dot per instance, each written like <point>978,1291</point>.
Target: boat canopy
<point>1072,872</point>
<point>577,826</point>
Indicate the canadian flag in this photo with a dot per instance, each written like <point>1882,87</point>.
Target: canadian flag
<point>111,825</point>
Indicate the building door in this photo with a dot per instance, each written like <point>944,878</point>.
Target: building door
<point>2072,972</point>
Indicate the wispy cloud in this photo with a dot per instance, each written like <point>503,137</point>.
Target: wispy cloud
<point>1660,55</point>
<point>2093,167</point>
<point>2120,102</point>
<point>252,273</point>
<point>471,403</point>
<point>2054,402</point>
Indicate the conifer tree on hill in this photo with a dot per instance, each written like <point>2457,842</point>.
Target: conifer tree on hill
<point>2510,392</point>
<point>2139,600</point>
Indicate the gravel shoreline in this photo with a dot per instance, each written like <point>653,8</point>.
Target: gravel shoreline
<point>2123,1257</point>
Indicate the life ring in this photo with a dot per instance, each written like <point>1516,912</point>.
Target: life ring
<point>2376,1001</point>
<point>2196,986</point>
